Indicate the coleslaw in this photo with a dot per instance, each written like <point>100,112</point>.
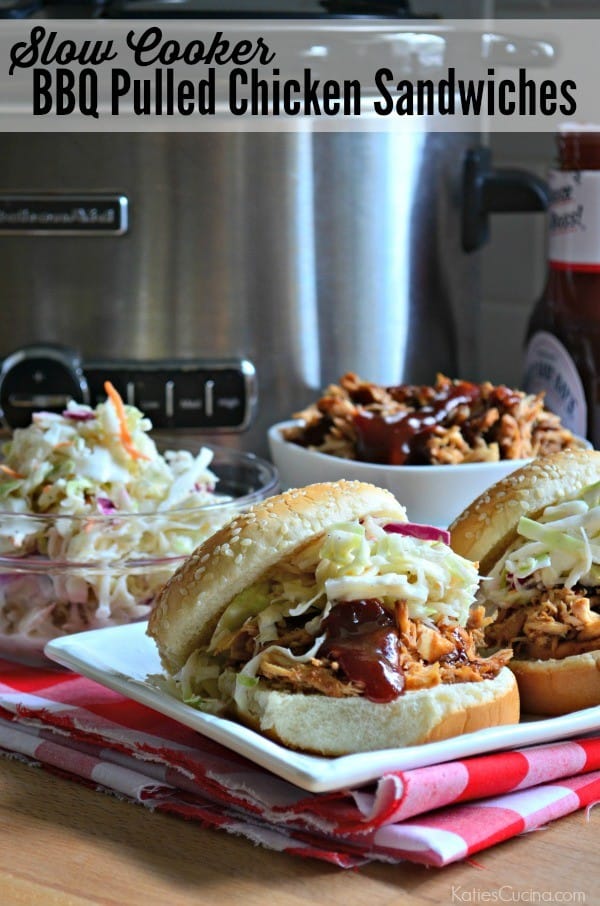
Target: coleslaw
<point>560,548</point>
<point>94,519</point>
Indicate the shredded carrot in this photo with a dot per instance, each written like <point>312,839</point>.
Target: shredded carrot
<point>124,435</point>
<point>11,472</point>
<point>63,443</point>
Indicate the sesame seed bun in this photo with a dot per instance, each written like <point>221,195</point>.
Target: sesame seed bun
<point>189,606</point>
<point>485,531</point>
<point>488,526</point>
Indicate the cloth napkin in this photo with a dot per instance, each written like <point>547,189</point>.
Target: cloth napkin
<point>434,815</point>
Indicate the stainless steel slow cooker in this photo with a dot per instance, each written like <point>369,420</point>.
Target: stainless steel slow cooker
<point>220,280</point>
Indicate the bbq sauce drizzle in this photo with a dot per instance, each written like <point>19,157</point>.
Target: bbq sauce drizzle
<point>398,439</point>
<point>362,637</point>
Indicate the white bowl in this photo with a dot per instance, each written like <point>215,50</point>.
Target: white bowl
<point>433,495</point>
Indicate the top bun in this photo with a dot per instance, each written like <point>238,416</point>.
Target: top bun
<point>486,528</point>
<point>190,604</point>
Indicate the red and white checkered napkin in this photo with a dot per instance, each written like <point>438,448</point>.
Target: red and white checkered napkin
<point>434,815</point>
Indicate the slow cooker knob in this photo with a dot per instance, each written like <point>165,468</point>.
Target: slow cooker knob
<point>42,376</point>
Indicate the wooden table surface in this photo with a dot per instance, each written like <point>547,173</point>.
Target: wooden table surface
<point>65,845</point>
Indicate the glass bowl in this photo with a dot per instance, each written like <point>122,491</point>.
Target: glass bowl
<point>43,596</point>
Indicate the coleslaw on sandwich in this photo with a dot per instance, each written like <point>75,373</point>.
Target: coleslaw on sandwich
<point>547,585</point>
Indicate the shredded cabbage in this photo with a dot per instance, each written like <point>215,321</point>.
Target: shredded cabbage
<point>121,499</point>
<point>354,561</point>
<point>432,580</point>
<point>246,604</point>
<point>559,548</point>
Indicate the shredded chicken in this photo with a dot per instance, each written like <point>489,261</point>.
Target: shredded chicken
<point>316,676</point>
<point>446,653</point>
<point>428,654</point>
<point>488,424</point>
<point>556,623</point>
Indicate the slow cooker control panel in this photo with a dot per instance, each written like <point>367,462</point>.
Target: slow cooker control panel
<point>216,395</point>
<point>209,395</point>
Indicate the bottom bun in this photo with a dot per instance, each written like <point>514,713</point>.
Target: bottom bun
<point>559,686</point>
<point>341,726</point>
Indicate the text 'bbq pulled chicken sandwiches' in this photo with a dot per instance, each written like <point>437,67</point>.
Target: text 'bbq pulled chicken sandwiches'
<point>325,620</point>
<point>536,535</point>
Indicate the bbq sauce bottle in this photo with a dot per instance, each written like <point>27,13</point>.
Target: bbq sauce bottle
<point>562,355</point>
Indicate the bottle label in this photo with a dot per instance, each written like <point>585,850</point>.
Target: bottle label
<point>550,368</point>
<point>574,221</point>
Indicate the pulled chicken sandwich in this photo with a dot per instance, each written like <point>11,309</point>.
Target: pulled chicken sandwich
<point>537,537</point>
<point>325,620</point>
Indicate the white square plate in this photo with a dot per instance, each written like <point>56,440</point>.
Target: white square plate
<point>122,658</point>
